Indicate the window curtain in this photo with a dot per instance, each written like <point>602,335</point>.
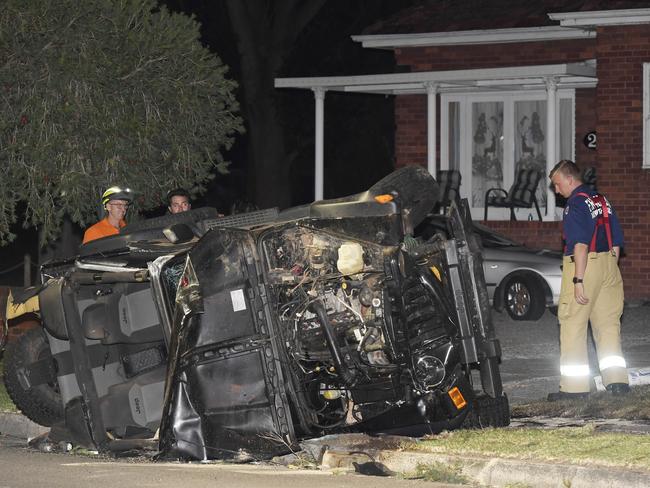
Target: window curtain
<point>487,149</point>
<point>530,141</point>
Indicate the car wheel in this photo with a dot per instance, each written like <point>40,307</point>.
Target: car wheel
<point>40,403</point>
<point>523,298</point>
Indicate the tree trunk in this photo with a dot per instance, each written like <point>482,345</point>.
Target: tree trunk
<point>268,172</point>
<point>265,32</point>
<point>65,247</point>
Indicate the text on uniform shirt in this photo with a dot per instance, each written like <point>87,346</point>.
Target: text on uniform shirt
<point>596,209</point>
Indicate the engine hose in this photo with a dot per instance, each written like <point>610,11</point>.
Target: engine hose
<point>348,376</point>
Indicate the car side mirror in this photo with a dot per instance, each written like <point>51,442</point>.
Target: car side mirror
<point>178,233</point>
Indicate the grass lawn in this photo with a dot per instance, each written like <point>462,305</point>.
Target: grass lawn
<point>576,445</point>
<point>6,405</point>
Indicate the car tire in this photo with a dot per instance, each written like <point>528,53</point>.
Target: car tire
<point>41,403</point>
<point>523,298</point>
<point>157,223</point>
<point>418,194</point>
<point>488,412</point>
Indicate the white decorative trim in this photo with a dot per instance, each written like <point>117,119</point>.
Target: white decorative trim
<point>646,115</point>
<point>488,36</point>
<point>602,17</point>
<point>570,75</point>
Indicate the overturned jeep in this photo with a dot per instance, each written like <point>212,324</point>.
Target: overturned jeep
<point>208,337</point>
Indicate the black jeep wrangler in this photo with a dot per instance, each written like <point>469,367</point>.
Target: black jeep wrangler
<point>208,337</point>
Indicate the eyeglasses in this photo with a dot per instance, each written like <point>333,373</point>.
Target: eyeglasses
<point>120,205</point>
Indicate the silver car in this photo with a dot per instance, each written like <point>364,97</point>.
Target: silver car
<point>521,280</point>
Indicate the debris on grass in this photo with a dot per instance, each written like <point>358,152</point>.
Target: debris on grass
<point>634,406</point>
<point>437,472</point>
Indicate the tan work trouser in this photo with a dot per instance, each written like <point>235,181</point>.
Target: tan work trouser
<point>604,288</point>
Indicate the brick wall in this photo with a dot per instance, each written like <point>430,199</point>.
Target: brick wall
<point>410,110</point>
<point>621,52</point>
<point>614,109</point>
<point>538,235</point>
<point>411,130</point>
<point>495,55</point>
<point>585,114</point>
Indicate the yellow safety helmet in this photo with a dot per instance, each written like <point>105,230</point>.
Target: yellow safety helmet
<point>117,193</point>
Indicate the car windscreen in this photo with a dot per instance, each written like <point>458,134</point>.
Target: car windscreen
<point>489,238</point>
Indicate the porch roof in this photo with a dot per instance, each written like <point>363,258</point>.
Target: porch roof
<point>567,75</point>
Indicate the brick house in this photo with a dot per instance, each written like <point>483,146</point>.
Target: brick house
<point>488,87</point>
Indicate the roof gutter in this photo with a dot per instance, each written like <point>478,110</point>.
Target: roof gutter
<point>602,18</point>
<point>573,25</point>
<point>471,37</point>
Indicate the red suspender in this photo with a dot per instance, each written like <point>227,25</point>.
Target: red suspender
<point>602,220</point>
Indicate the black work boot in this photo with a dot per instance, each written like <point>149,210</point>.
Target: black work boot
<point>618,389</point>
<point>563,395</point>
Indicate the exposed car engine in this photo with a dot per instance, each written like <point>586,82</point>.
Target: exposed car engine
<point>336,309</point>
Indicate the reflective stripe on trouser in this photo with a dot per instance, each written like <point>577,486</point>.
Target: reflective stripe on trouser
<point>604,288</point>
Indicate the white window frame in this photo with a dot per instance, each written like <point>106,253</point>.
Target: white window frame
<point>508,98</point>
<point>646,116</point>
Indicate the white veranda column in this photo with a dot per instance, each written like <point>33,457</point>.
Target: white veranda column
<point>551,124</point>
<point>432,92</point>
<point>319,97</point>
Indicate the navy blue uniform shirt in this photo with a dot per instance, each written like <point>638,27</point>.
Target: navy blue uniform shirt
<point>579,222</point>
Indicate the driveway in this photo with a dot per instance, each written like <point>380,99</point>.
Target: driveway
<point>531,351</point>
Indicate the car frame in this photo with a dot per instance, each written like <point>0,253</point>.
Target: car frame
<point>231,335</point>
<point>522,281</point>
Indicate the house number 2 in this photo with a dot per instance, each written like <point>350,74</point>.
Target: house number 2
<point>590,140</point>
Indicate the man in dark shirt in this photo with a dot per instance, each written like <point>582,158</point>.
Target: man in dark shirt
<point>178,200</point>
<point>592,287</point>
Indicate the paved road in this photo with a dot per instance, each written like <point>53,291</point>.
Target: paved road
<point>531,351</point>
<point>23,468</point>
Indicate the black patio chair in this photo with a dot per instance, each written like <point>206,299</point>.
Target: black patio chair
<point>520,195</point>
<point>449,181</point>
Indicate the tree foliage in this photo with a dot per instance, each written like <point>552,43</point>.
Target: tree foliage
<point>100,93</point>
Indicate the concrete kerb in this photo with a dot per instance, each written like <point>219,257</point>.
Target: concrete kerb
<point>388,454</point>
<point>341,451</point>
<point>17,425</point>
<point>494,472</point>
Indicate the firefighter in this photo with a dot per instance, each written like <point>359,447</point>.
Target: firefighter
<point>116,201</point>
<point>592,287</point>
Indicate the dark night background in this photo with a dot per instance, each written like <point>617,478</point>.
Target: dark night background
<point>358,128</point>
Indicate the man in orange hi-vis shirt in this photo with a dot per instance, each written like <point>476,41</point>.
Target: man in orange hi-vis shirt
<point>116,201</point>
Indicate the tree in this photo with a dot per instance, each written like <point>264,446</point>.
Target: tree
<point>266,31</point>
<point>100,93</point>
